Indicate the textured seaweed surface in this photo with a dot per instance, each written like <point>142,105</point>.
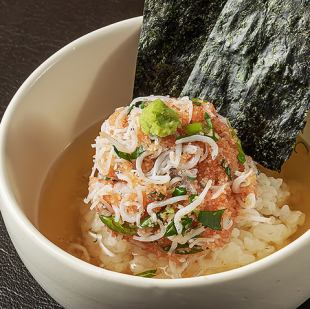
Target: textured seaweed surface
<point>255,68</point>
<point>253,65</point>
<point>173,34</point>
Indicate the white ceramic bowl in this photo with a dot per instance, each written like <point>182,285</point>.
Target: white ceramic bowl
<point>65,95</point>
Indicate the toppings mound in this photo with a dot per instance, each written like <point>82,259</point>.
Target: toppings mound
<point>170,173</point>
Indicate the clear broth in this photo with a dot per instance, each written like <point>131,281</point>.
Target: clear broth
<point>66,186</point>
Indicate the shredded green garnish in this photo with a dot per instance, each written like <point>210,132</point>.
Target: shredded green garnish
<point>148,273</point>
<point>211,219</point>
<point>125,229</point>
<point>178,191</point>
<point>129,156</point>
<point>191,178</point>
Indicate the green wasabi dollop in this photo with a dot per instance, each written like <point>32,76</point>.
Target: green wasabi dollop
<point>158,119</point>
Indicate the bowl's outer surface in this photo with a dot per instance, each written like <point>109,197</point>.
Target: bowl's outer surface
<point>76,87</point>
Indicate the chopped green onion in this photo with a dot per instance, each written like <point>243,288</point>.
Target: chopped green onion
<point>208,121</point>
<point>110,222</point>
<point>129,156</point>
<point>148,273</point>
<point>211,219</point>
<point>210,130</point>
<point>193,128</point>
<point>241,155</point>
<point>226,168</point>
<point>196,101</point>
<point>106,178</point>
<point>192,197</point>
<point>241,158</point>
<point>191,178</point>
<point>178,191</point>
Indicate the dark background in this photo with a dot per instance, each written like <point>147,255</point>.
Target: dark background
<point>31,31</point>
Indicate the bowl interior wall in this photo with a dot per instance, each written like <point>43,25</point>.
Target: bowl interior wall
<point>75,88</point>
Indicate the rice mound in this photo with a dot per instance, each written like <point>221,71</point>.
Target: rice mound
<point>258,221</point>
<point>250,240</point>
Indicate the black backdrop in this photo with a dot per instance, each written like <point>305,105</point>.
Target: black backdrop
<point>31,31</point>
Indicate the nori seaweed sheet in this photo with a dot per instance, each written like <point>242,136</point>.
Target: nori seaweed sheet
<point>255,68</point>
<point>173,34</point>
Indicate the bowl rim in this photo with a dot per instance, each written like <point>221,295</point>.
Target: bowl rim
<point>11,206</point>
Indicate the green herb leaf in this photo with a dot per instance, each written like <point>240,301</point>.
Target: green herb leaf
<point>193,128</point>
<point>129,156</point>
<point>192,197</point>
<point>241,158</point>
<point>148,273</point>
<point>147,222</point>
<point>196,101</point>
<point>226,168</point>
<point>187,223</point>
<point>125,229</point>
<point>193,250</point>
<point>211,219</point>
<point>140,104</point>
<point>178,191</point>
<point>184,249</point>
<point>143,104</point>
<point>241,155</point>
<point>171,229</point>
